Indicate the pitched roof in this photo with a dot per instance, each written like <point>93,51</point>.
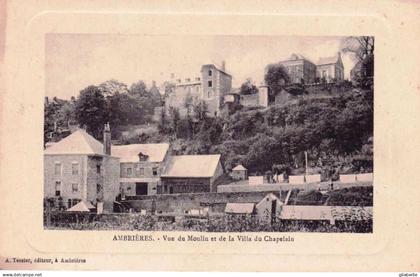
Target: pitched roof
<point>194,166</point>
<point>268,197</point>
<point>78,142</point>
<point>82,206</point>
<point>328,60</point>
<point>239,167</point>
<point>239,208</point>
<point>130,152</point>
<point>296,56</point>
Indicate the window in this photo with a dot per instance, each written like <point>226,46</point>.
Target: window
<point>98,188</point>
<point>72,202</point>
<point>129,171</point>
<point>57,188</point>
<point>74,187</point>
<point>141,171</point>
<point>210,72</point>
<point>98,169</point>
<point>210,83</point>
<point>155,171</point>
<point>75,168</point>
<point>197,89</point>
<point>209,94</point>
<point>57,168</point>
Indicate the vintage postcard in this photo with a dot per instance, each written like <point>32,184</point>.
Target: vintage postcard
<point>219,138</point>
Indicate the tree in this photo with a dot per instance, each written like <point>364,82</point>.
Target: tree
<point>276,78</point>
<point>169,88</point>
<point>200,110</point>
<point>91,110</point>
<point>163,122</point>
<point>146,99</point>
<point>361,47</point>
<point>248,87</point>
<point>175,118</point>
<point>155,95</point>
<point>139,89</point>
<point>112,87</point>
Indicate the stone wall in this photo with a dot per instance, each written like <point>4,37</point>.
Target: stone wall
<point>111,186</point>
<point>180,203</point>
<point>65,177</point>
<point>251,100</point>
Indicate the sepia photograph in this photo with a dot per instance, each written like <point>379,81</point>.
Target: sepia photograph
<point>208,133</point>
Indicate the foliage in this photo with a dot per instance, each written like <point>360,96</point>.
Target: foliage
<point>91,110</point>
<point>276,78</point>
<point>248,87</point>
<point>111,102</point>
<point>214,223</point>
<point>362,49</point>
<point>296,89</point>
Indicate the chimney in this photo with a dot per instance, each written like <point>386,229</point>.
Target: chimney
<point>223,66</point>
<point>107,139</point>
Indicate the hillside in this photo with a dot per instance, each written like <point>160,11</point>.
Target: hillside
<point>335,131</point>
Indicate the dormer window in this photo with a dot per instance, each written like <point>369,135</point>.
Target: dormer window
<point>143,157</point>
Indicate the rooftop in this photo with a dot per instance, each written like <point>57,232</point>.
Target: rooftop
<point>79,142</point>
<point>195,166</point>
<point>239,208</point>
<point>82,206</point>
<point>328,60</point>
<point>239,167</point>
<point>130,153</point>
<point>295,57</point>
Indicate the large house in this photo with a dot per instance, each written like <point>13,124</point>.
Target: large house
<point>210,87</point>
<point>79,168</point>
<point>140,167</point>
<point>300,69</point>
<point>190,174</point>
<point>330,69</point>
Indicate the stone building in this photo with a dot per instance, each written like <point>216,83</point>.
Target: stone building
<point>140,167</point>
<point>300,69</point>
<point>190,174</point>
<point>79,167</point>
<point>210,87</point>
<point>330,69</point>
<point>239,172</point>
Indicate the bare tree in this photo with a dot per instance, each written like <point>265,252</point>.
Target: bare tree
<point>362,47</point>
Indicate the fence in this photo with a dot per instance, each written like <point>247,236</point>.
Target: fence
<point>352,178</point>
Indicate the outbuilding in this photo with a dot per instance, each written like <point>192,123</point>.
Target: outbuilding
<point>239,172</point>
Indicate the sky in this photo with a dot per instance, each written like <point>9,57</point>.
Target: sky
<point>75,61</point>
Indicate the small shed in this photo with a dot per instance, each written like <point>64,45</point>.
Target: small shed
<point>82,206</point>
<point>269,207</point>
<point>239,172</point>
<point>240,208</point>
